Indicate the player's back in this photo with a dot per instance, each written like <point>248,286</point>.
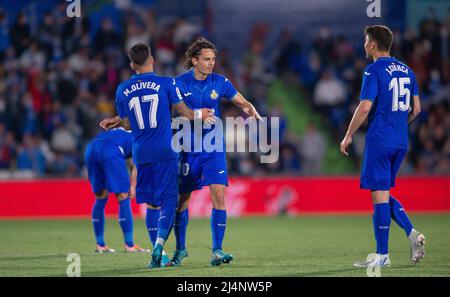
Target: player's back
<point>146,100</point>
<point>118,137</point>
<point>391,84</point>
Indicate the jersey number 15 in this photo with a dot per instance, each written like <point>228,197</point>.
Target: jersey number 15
<point>397,85</point>
<point>136,105</point>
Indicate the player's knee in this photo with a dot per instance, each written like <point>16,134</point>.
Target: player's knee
<point>380,197</point>
<point>121,196</point>
<point>218,192</point>
<point>151,206</point>
<point>218,199</point>
<point>103,194</point>
<point>183,201</point>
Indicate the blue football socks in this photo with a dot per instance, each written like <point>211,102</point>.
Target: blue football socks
<point>166,220</point>
<point>151,221</point>
<point>180,226</point>
<point>126,221</point>
<point>218,225</point>
<point>399,215</point>
<point>98,220</point>
<point>382,222</point>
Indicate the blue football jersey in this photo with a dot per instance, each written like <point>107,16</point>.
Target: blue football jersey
<point>119,136</point>
<point>206,93</point>
<point>145,99</point>
<point>390,85</point>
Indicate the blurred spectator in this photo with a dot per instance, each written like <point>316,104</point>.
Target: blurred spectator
<point>329,98</point>
<point>63,140</point>
<point>32,58</point>
<point>329,91</point>
<point>107,38</point>
<point>312,150</point>
<point>4,34</point>
<point>290,161</point>
<point>19,34</point>
<point>30,155</point>
<point>7,148</point>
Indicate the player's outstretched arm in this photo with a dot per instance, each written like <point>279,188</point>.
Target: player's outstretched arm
<point>415,110</point>
<point>246,106</point>
<point>114,122</point>
<point>360,115</point>
<point>110,123</point>
<point>205,114</point>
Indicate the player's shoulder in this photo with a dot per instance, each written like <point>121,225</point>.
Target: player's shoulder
<point>184,76</point>
<point>219,77</point>
<point>370,69</point>
<point>164,81</point>
<point>159,78</point>
<point>123,85</point>
<point>407,67</point>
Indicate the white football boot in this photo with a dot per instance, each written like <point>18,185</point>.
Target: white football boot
<point>374,260</point>
<point>417,241</point>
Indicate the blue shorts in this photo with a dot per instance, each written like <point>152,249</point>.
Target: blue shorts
<point>198,170</point>
<point>106,167</point>
<point>380,167</point>
<point>157,183</point>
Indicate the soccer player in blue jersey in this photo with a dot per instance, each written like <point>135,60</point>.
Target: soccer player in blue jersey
<point>386,92</point>
<point>143,103</point>
<point>105,158</point>
<point>202,88</point>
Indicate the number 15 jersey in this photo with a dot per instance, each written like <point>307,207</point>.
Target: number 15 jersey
<point>390,85</point>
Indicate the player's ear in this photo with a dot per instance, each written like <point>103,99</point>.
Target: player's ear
<point>151,60</point>
<point>132,65</point>
<point>373,45</point>
<point>194,61</point>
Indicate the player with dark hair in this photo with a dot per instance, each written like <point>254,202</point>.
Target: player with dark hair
<point>143,103</point>
<point>202,88</point>
<point>105,158</point>
<point>386,92</point>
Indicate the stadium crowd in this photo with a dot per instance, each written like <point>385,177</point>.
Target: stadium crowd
<point>57,80</point>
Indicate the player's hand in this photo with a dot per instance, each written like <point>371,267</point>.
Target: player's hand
<point>208,116</point>
<point>110,123</point>
<point>345,143</point>
<point>253,113</point>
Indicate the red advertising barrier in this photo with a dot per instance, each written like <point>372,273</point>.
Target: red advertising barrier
<point>245,196</point>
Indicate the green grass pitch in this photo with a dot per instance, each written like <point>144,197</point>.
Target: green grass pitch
<point>262,246</point>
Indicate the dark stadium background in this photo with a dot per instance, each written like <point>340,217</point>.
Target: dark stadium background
<point>298,60</point>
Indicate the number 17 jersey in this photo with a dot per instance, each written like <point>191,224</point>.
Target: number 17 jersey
<point>390,85</point>
<point>145,99</point>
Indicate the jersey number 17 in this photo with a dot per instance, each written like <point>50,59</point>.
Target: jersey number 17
<point>136,105</point>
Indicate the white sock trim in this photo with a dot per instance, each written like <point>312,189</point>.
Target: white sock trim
<point>160,241</point>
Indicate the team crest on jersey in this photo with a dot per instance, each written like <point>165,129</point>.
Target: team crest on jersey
<point>214,95</point>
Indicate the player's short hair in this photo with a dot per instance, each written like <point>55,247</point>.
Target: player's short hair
<point>382,36</point>
<point>195,49</point>
<point>139,53</point>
